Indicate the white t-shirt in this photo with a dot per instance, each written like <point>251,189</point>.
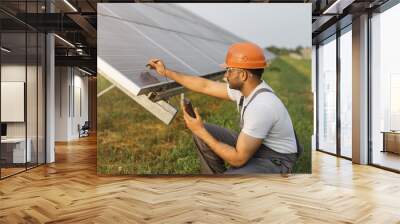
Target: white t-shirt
<point>266,118</point>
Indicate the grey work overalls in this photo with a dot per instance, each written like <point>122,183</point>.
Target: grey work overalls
<point>265,160</point>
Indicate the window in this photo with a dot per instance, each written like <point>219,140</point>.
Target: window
<point>327,96</point>
<point>394,102</point>
<point>22,89</point>
<point>385,87</point>
<point>346,92</point>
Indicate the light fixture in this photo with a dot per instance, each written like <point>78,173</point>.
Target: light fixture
<point>64,40</point>
<point>5,50</point>
<point>70,5</point>
<point>84,71</point>
<point>80,51</point>
<point>338,6</point>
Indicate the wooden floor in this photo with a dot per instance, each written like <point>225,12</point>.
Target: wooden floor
<point>10,171</point>
<point>69,191</point>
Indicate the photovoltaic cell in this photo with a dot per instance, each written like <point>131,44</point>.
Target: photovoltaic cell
<point>128,12</point>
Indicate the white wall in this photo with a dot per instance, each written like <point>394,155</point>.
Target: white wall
<point>80,110</point>
<point>16,73</point>
<point>62,82</point>
<point>33,126</point>
<point>71,94</point>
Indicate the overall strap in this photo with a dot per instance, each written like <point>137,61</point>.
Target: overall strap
<point>251,99</point>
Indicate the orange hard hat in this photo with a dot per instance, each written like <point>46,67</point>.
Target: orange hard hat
<point>245,55</point>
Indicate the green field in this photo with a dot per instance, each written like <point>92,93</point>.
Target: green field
<point>130,140</point>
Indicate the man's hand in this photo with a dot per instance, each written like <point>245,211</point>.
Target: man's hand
<point>236,156</point>
<point>158,65</point>
<point>194,124</point>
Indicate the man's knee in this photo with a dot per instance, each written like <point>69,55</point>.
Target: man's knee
<point>221,134</point>
<point>211,128</point>
<point>200,144</point>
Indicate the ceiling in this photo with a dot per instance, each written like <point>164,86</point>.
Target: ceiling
<point>331,15</point>
<point>76,22</point>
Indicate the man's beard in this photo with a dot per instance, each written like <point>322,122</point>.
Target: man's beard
<point>237,86</point>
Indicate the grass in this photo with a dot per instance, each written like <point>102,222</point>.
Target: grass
<point>132,141</point>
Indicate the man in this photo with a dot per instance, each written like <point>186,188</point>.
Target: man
<point>266,142</point>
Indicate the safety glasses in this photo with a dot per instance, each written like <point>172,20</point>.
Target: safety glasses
<point>232,70</point>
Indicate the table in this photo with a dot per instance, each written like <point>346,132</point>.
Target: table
<point>13,150</point>
<point>391,141</point>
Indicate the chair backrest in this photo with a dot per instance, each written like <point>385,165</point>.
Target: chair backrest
<point>86,125</point>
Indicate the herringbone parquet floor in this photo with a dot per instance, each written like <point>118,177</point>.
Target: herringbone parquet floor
<point>69,191</point>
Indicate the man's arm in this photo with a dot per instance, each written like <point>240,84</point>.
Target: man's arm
<point>246,145</point>
<point>194,83</point>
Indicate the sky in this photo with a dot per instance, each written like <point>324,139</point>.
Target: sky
<point>266,24</point>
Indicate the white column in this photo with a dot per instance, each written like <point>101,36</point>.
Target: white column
<point>360,90</point>
<point>314,92</point>
<point>50,92</point>
<point>50,99</point>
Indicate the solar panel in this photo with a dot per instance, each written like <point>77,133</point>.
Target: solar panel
<point>130,34</point>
